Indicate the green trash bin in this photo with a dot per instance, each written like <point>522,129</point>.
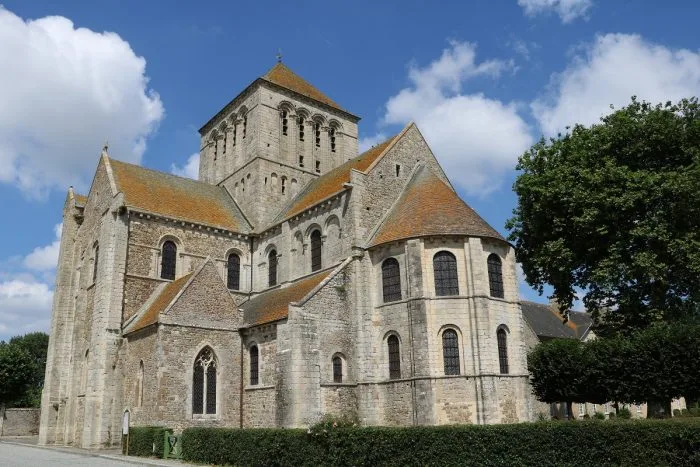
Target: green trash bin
<point>172,445</point>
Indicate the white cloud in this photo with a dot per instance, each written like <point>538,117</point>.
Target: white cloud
<point>44,258</point>
<point>64,91</point>
<point>611,70</point>
<point>477,139</point>
<point>25,306</point>
<point>370,141</point>
<point>190,169</point>
<point>568,10</point>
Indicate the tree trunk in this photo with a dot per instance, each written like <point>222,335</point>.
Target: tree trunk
<point>658,409</point>
<point>569,412</point>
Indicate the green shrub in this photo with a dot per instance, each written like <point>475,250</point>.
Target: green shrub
<point>643,442</point>
<point>676,412</point>
<point>694,411</point>
<point>599,416</point>
<point>146,441</point>
<point>612,415</point>
<point>624,413</point>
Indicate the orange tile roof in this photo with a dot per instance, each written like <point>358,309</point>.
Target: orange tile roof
<point>429,207</point>
<point>286,78</point>
<point>80,200</point>
<point>177,197</point>
<point>273,305</point>
<point>332,182</point>
<point>161,302</point>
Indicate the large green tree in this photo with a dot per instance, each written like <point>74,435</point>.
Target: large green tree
<point>614,210</point>
<point>22,367</point>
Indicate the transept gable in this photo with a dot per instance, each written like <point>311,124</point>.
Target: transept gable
<point>198,299</point>
<point>331,183</point>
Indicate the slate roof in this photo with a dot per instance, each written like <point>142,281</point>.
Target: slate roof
<point>547,323</point>
<point>332,182</point>
<point>428,206</point>
<point>286,78</point>
<point>167,294</point>
<point>273,305</point>
<point>177,197</point>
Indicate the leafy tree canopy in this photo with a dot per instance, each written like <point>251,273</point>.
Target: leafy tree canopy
<point>654,365</point>
<point>614,209</point>
<point>22,367</point>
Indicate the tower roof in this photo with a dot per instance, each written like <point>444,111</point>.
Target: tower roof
<point>427,207</point>
<point>282,76</point>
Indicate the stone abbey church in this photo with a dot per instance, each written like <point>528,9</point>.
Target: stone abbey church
<point>295,278</point>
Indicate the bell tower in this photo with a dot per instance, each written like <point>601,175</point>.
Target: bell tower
<point>272,139</point>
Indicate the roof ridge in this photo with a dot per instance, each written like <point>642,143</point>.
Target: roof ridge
<point>394,140</point>
<point>160,172</point>
<point>283,213</point>
<point>418,167</point>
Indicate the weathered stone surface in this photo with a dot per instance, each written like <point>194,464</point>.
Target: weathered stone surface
<point>101,365</point>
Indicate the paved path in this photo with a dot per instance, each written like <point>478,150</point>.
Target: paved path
<point>19,453</point>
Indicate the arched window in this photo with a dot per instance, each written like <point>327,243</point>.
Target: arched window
<point>233,272</point>
<point>254,365</point>
<point>245,126</point>
<point>285,123</point>
<point>204,383</point>
<point>317,132</point>
<point>300,122</point>
<point>450,352</point>
<point>84,373</point>
<point>315,250</point>
<point>502,350</point>
<point>95,262</point>
<point>394,357</point>
<point>235,133</point>
<point>168,260</point>
<point>337,369</point>
<point>391,280</point>
<point>495,276</point>
<point>139,385</point>
<point>445,270</point>
<point>272,268</point>
<point>331,135</point>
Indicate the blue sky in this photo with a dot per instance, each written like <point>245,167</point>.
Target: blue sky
<point>483,80</point>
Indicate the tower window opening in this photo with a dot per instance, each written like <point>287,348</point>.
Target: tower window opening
<point>331,133</point>
<point>317,130</point>
<point>284,184</point>
<point>245,126</point>
<point>225,141</point>
<point>285,123</point>
<point>398,169</point>
<point>235,131</point>
<point>301,161</point>
<point>301,128</point>
<point>318,166</point>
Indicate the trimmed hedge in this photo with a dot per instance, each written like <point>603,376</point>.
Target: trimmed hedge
<point>623,442</point>
<point>146,441</point>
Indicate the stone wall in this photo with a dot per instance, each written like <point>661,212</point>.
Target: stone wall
<point>19,422</point>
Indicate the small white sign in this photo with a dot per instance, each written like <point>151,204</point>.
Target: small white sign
<point>125,423</point>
